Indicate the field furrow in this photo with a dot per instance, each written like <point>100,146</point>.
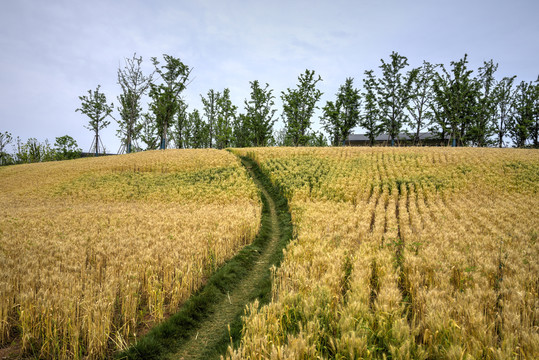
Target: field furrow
<point>94,251</point>
<point>405,253</point>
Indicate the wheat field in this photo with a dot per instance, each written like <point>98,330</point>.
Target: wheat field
<point>93,250</point>
<point>402,253</point>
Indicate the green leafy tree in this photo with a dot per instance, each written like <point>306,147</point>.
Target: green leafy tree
<point>503,92</point>
<point>148,133</point>
<point>226,113</point>
<point>299,106</point>
<point>166,97</point>
<point>420,105</point>
<point>371,118</point>
<point>5,139</point>
<point>241,134</point>
<point>33,151</point>
<point>19,151</point>
<point>47,152</point>
<point>65,147</point>
<point>331,121</point>
<point>259,115</point>
<point>211,111</point>
<point>200,130</point>
<point>318,139</point>
<point>349,100</point>
<point>341,116</point>
<point>534,129</point>
<point>394,91</point>
<point>96,108</point>
<point>522,118</point>
<point>481,127</point>
<point>182,127</point>
<point>129,127</point>
<point>455,100</point>
<point>134,85</point>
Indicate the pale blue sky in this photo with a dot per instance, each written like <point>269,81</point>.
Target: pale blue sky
<point>54,51</point>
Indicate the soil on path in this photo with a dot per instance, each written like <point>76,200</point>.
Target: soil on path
<point>212,330</point>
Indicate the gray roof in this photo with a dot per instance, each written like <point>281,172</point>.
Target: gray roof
<point>385,137</point>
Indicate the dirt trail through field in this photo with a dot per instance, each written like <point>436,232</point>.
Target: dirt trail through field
<point>212,330</point>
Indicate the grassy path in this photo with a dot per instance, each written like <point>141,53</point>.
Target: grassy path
<point>208,321</point>
<point>215,327</point>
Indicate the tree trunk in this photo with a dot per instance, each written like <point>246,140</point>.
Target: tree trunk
<point>164,138</point>
<point>536,135</point>
<point>97,143</point>
<point>128,147</point>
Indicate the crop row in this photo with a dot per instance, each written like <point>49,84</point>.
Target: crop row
<point>93,251</point>
<point>403,253</point>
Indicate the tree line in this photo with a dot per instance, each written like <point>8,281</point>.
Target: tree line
<point>458,106</point>
<point>64,148</point>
